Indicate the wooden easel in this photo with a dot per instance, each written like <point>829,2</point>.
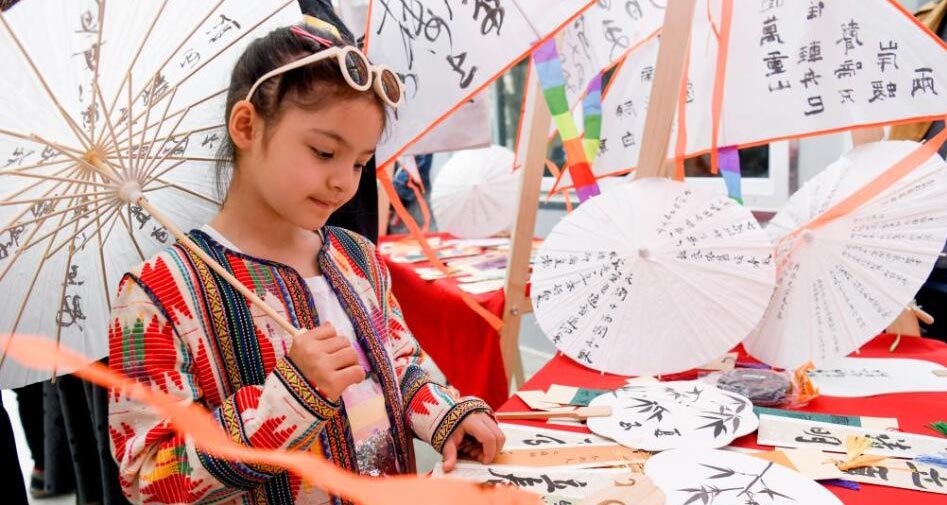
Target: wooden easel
<point>531,157</point>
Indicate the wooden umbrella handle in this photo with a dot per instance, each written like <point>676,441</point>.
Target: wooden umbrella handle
<point>216,267</point>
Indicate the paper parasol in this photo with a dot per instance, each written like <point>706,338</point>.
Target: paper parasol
<point>652,277</point>
<point>475,194</point>
<point>112,111</point>
<point>842,283</point>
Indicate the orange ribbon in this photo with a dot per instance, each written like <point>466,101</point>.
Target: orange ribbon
<point>192,420</point>
<point>716,107</point>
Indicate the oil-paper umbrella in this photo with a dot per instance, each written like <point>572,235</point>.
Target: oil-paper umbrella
<point>475,194</point>
<point>652,277</point>
<point>848,268</point>
<point>112,114</point>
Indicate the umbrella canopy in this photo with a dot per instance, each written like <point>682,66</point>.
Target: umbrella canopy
<point>842,283</point>
<point>652,277</point>
<point>111,110</point>
<point>475,195</point>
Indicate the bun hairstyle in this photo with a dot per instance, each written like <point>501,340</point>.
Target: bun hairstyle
<point>311,86</point>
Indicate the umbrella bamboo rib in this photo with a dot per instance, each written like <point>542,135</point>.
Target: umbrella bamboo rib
<point>35,166</point>
<point>56,178</point>
<point>182,110</point>
<point>62,296</point>
<point>95,76</point>
<point>128,79</point>
<point>26,297</point>
<point>131,234</point>
<point>101,251</point>
<point>195,158</point>
<point>62,293</point>
<point>110,126</point>
<point>100,208</point>
<point>102,218</point>
<point>154,138</point>
<point>12,223</point>
<point>57,197</point>
<point>69,171</point>
<point>230,44</point>
<point>62,150</point>
<point>137,160</point>
<point>149,169</point>
<point>118,92</point>
<point>58,212</point>
<point>112,224</point>
<point>52,234</point>
<point>32,138</point>
<point>165,171</point>
<point>80,135</point>
<point>189,191</point>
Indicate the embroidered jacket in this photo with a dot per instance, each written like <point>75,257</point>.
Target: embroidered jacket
<point>179,327</point>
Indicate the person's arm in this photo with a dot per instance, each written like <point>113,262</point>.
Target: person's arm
<point>433,411</point>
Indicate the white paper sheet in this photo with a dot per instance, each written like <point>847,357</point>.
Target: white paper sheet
<point>786,432</point>
<point>860,377</point>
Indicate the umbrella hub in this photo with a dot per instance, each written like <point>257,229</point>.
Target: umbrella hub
<point>644,253</point>
<point>95,163</point>
<point>94,156</point>
<point>130,191</point>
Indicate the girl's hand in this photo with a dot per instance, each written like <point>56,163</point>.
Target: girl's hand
<point>478,436</point>
<point>327,360</point>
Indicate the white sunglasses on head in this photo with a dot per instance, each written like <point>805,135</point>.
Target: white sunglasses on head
<point>355,68</point>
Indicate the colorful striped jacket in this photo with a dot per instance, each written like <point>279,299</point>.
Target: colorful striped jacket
<point>181,328</point>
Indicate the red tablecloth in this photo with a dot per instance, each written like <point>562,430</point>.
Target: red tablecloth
<point>460,342</point>
<point>913,410</point>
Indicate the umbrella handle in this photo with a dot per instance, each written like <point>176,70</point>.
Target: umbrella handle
<point>216,267</point>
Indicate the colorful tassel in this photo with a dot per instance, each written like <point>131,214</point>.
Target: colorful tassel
<point>730,170</point>
<point>549,69</point>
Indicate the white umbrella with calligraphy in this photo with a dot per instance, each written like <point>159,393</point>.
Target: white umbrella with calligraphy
<point>109,108</point>
<point>652,277</point>
<point>841,284</point>
<point>476,192</point>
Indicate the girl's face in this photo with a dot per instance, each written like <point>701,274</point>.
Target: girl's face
<point>311,163</point>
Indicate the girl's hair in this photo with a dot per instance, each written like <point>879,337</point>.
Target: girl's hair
<point>309,86</point>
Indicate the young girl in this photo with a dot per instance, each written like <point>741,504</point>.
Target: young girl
<point>351,387</point>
